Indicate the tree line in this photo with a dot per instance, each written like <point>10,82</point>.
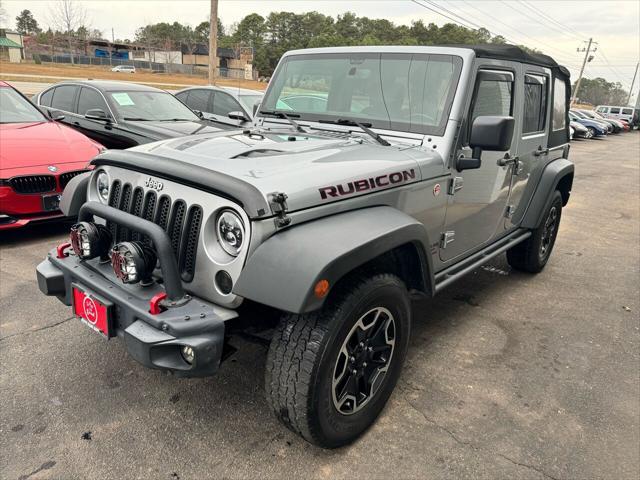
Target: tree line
<point>273,35</point>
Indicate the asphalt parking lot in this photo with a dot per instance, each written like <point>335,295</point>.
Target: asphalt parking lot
<point>508,375</point>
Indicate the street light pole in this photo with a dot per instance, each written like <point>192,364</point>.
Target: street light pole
<point>584,62</point>
<point>213,41</point>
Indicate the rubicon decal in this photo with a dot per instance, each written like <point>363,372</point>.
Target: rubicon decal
<point>367,184</point>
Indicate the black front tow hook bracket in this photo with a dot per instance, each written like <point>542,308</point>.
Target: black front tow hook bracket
<point>168,263</point>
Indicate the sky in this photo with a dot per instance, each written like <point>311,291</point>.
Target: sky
<point>614,25</point>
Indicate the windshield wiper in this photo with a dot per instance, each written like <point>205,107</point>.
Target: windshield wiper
<point>178,120</point>
<point>364,126</point>
<point>286,116</point>
<point>136,119</point>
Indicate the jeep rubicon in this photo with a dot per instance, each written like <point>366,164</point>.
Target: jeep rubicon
<point>370,175</point>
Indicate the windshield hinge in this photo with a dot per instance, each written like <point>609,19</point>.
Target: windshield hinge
<point>278,204</point>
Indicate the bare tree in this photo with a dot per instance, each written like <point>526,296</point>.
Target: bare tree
<point>67,16</point>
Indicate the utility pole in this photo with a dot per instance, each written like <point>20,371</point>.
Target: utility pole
<point>213,41</point>
<point>633,82</point>
<point>584,62</point>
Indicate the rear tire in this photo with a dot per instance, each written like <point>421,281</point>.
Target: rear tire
<point>330,373</point>
<point>532,254</point>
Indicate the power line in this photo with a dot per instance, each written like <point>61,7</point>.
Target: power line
<point>576,34</point>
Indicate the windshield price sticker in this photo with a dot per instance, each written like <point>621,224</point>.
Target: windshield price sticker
<point>123,99</point>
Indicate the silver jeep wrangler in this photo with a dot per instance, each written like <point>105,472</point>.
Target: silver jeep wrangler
<point>370,175</point>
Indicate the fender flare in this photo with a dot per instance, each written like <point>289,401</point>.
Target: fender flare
<point>283,271</point>
<point>552,175</point>
<point>75,194</point>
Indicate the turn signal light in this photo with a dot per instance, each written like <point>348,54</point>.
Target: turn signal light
<point>321,288</point>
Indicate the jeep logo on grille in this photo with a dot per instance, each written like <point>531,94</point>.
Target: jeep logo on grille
<point>155,184</point>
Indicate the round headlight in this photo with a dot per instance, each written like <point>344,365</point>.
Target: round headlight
<point>230,232</point>
<point>102,186</point>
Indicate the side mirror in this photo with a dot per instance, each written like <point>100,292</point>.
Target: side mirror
<point>97,114</point>
<point>237,116</point>
<point>55,115</point>
<point>199,114</point>
<point>487,133</point>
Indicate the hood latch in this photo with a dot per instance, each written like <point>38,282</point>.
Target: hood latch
<point>278,204</point>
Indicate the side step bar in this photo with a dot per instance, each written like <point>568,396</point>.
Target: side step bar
<point>449,275</point>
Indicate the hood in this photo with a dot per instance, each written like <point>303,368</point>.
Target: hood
<point>28,145</point>
<point>310,169</point>
<point>172,129</point>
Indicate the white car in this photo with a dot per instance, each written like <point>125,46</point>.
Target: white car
<point>124,69</point>
<point>616,112</point>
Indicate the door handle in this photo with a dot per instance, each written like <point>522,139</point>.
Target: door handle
<point>541,151</point>
<point>508,160</point>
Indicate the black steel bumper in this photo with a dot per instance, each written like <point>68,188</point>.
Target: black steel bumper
<point>153,340</point>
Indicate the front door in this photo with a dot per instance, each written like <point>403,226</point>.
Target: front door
<point>532,136</point>
<point>478,198</point>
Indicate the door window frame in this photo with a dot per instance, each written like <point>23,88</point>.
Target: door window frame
<point>488,70</point>
<point>536,133</point>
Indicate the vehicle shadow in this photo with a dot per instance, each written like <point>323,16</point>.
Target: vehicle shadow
<point>35,233</point>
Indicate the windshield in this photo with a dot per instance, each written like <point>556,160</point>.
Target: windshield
<point>150,106</point>
<point>404,92</point>
<point>14,108</point>
<point>248,101</point>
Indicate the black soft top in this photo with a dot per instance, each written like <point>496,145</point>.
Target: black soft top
<point>516,54</point>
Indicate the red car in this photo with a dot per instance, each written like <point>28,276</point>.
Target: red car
<point>38,157</point>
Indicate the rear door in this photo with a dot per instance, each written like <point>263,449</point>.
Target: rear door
<point>64,99</point>
<point>532,132</point>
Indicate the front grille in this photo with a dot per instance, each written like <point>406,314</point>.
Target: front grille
<point>33,183</point>
<point>66,177</point>
<point>182,223</point>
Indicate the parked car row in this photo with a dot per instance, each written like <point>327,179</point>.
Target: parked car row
<point>589,124</point>
<point>40,153</point>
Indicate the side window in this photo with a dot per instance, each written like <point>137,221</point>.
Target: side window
<point>559,104</point>
<point>224,103</point>
<point>198,100</point>
<point>493,95</point>
<point>601,109</point>
<point>627,111</point>
<point>63,98</point>
<point>90,99</point>
<point>535,103</point>
<point>45,98</point>
<point>614,110</point>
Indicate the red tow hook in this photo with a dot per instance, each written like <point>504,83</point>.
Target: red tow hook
<point>60,249</point>
<point>154,304</point>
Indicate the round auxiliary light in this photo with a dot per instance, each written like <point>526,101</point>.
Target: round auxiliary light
<point>90,240</point>
<point>133,262</point>
<point>102,186</point>
<point>188,354</point>
<point>230,232</point>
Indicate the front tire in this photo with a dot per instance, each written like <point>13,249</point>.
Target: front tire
<point>532,254</point>
<point>329,373</point>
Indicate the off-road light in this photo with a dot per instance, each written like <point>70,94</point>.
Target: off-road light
<point>90,240</point>
<point>102,186</point>
<point>230,232</point>
<point>188,354</point>
<point>133,262</point>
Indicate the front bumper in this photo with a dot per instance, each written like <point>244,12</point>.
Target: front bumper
<point>153,340</point>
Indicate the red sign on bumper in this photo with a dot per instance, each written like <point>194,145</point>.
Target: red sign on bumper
<point>91,311</point>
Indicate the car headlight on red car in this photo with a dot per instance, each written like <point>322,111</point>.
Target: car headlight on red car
<point>90,240</point>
